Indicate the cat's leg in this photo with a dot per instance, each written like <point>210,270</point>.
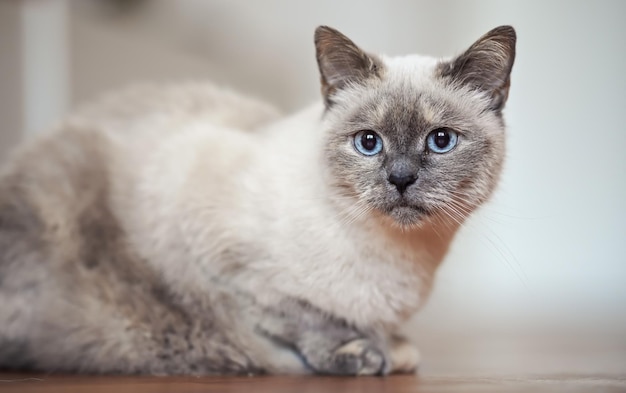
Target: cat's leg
<point>327,345</point>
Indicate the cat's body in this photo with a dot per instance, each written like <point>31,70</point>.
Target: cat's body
<point>188,231</point>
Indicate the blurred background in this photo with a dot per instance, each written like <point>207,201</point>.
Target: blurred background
<point>542,266</point>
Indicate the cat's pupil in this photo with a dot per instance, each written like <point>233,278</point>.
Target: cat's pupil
<point>442,139</point>
<point>368,140</point>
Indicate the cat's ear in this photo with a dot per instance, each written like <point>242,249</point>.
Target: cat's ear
<point>341,62</point>
<point>486,65</point>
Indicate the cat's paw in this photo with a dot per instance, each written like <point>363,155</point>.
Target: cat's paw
<point>404,356</point>
<point>357,357</point>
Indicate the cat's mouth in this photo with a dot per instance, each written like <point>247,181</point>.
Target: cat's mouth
<point>409,206</point>
<point>407,214</point>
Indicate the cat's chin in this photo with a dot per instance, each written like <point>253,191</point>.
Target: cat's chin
<point>407,217</point>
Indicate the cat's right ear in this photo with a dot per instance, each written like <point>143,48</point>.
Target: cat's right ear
<point>341,62</point>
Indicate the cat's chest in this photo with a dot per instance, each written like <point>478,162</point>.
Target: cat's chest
<point>366,280</point>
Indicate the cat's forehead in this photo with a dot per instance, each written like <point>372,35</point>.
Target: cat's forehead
<point>412,84</point>
<point>410,95</point>
<point>416,69</point>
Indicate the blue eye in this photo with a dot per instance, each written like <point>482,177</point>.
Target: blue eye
<point>368,143</point>
<point>442,140</point>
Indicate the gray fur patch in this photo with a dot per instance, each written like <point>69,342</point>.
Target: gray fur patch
<point>100,308</point>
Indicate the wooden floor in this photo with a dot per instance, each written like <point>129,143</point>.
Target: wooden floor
<point>71,384</point>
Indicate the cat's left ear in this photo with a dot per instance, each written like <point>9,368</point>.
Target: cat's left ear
<point>486,65</point>
<point>341,62</point>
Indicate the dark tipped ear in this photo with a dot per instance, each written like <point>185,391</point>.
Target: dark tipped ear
<point>486,65</point>
<point>341,62</point>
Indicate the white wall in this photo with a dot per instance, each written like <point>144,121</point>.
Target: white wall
<point>45,62</point>
<point>34,67</point>
<point>10,76</point>
<point>551,248</point>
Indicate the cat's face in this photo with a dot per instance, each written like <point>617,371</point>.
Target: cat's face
<point>412,139</point>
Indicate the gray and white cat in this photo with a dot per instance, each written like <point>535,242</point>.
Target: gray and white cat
<point>188,230</point>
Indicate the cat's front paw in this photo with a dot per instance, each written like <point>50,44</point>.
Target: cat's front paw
<point>404,356</point>
<point>357,357</point>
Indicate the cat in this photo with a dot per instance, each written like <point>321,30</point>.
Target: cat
<point>190,230</point>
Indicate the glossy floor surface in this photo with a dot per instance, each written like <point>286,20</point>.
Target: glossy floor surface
<point>70,384</point>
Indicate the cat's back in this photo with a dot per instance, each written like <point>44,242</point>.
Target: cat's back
<point>95,148</point>
<point>64,242</point>
<point>92,161</point>
<point>157,105</point>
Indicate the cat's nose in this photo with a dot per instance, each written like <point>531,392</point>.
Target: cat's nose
<point>402,180</point>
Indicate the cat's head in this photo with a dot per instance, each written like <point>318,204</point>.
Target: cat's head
<point>414,138</point>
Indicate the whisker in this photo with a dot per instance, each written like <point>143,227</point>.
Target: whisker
<point>453,209</point>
